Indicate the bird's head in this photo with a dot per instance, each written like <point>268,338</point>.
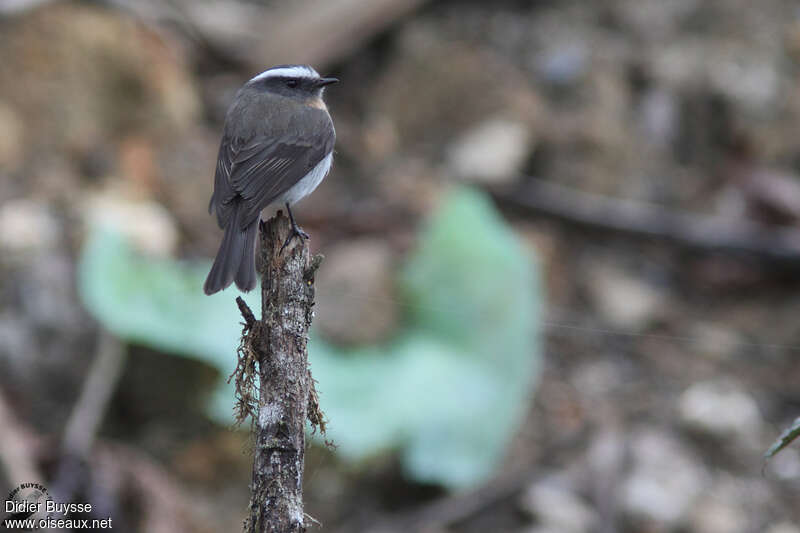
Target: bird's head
<point>300,82</point>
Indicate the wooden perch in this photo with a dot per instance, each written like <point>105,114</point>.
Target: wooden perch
<point>283,398</point>
<point>703,232</point>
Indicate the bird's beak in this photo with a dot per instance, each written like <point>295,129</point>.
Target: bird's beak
<point>322,82</point>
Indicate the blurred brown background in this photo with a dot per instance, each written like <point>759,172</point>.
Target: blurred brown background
<point>646,150</point>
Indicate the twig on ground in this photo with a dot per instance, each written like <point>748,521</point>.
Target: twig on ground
<point>248,33</point>
<point>703,232</point>
<point>329,31</point>
<point>450,510</point>
<point>16,443</point>
<point>88,413</point>
<point>100,384</point>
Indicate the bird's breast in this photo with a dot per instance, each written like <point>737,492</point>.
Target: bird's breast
<point>318,103</point>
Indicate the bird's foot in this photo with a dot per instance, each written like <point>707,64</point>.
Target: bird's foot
<point>297,231</point>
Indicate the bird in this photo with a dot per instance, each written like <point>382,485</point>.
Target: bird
<point>276,148</point>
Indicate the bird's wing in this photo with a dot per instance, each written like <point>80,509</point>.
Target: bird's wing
<point>256,171</point>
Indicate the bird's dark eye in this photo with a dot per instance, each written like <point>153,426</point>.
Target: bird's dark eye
<point>291,84</point>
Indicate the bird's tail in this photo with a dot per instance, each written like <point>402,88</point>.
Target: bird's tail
<point>236,259</point>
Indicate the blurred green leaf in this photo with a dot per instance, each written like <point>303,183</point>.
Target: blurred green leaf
<point>452,389</point>
<point>447,393</point>
<point>159,302</point>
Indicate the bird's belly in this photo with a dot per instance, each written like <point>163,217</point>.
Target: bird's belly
<point>308,183</point>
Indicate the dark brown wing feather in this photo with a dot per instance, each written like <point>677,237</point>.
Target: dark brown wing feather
<point>258,170</point>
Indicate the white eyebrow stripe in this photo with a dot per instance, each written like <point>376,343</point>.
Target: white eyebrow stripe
<point>299,71</point>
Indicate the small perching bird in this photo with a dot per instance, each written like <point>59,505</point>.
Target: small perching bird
<point>276,148</point>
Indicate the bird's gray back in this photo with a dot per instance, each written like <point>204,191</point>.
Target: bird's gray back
<point>268,146</point>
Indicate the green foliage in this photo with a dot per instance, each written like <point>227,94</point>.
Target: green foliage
<point>158,302</point>
<point>447,393</point>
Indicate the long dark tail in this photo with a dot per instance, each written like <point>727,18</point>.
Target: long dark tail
<point>236,259</point>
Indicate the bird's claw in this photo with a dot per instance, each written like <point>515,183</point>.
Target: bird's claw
<point>297,231</point>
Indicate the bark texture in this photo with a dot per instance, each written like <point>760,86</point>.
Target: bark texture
<point>285,388</point>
